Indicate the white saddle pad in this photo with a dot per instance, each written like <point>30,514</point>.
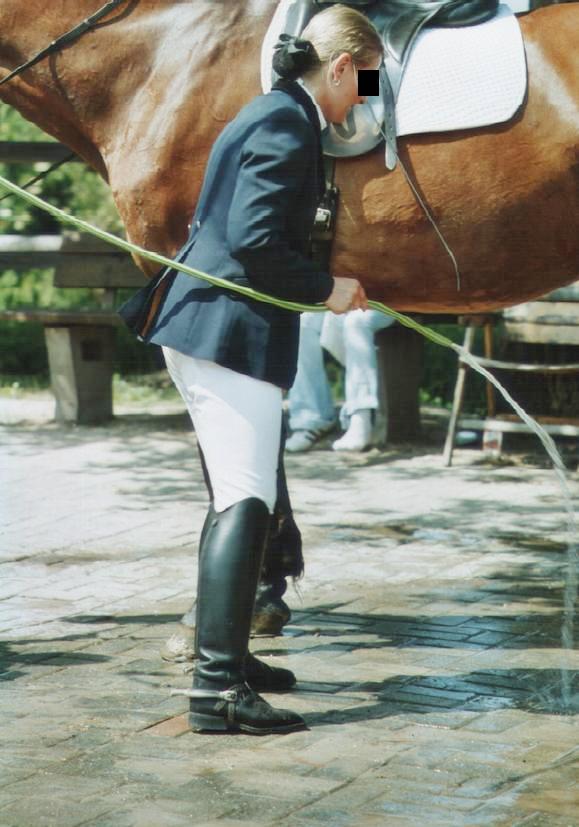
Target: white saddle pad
<point>463,78</point>
<point>456,78</point>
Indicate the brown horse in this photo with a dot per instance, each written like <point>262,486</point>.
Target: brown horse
<point>143,97</point>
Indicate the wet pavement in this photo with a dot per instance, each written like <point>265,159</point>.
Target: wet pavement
<point>426,636</point>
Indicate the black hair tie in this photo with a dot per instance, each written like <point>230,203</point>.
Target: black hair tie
<point>293,57</point>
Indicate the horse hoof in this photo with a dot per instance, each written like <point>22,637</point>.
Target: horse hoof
<point>270,620</point>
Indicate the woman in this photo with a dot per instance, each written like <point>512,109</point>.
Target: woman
<point>231,357</point>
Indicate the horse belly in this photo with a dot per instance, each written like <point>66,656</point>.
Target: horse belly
<point>506,200</point>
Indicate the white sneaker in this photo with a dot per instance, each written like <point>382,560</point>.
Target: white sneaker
<point>304,440</point>
<point>358,437</point>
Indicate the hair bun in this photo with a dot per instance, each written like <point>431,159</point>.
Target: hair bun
<point>293,57</point>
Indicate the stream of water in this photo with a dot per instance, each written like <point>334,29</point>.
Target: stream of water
<point>570,582</point>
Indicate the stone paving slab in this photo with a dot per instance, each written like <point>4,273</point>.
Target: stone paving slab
<point>426,637</point>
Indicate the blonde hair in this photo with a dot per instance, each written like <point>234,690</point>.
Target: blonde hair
<point>341,29</point>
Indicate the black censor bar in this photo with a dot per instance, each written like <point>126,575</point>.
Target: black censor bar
<point>368,82</point>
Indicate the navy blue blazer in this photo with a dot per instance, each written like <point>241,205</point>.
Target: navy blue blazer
<point>263,182</point>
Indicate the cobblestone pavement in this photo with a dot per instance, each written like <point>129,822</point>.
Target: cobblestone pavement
<point>426,637</point>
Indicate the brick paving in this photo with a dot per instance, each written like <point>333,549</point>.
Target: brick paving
<point>426,637</point>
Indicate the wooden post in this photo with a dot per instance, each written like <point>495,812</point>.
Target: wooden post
<point>488,339</point>
<point>81,370</point>
<point>400,354</point>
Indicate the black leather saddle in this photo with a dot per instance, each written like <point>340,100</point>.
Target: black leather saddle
<point>399,21</point>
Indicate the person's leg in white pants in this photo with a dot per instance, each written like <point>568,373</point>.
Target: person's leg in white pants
<point>361,382</point>
<point>311,408</point>
<point>237,420</point>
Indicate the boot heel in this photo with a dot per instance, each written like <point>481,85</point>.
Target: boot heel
<point>206,723</point>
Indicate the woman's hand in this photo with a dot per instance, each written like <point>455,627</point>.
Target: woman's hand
<point>348,294</point>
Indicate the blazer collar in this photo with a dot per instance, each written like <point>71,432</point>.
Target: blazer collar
<point>323,121</point>
<point>299,94</point>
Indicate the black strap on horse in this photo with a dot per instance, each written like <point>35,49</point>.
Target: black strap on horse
<point>42,175</point>
<point>55,46</point>
<point>65,39</point>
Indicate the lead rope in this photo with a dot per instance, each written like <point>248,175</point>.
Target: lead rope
<point>425,209</point>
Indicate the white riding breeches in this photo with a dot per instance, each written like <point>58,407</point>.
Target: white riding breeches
<point>237,420</point>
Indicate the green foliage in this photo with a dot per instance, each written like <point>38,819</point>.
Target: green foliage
<point>440,371</point>
<point>72,187</point>
<point>76,189</point>
<point>34,289</point>
<point>22,352</point>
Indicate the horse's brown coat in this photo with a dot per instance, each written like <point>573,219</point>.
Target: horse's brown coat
<point>144,96</point>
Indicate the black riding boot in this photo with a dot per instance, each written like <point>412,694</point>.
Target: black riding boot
<point>283,558</point>
<point>271,612</point>
<point>259,675</point>
<point>229,564</point>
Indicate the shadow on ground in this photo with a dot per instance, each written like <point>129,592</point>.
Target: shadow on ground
<point>538,691</point>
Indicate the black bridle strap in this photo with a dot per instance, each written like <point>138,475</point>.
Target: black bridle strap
<point>65,39</point>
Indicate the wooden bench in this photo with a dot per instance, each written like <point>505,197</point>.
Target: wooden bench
<point>81,343</point>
